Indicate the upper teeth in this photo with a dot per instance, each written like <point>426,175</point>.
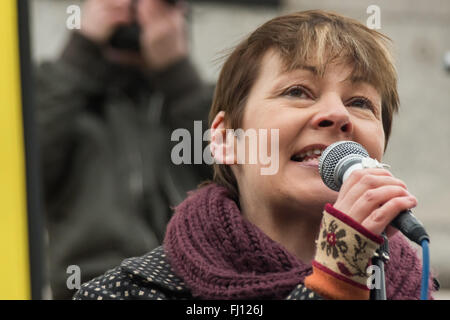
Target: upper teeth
<point>310,153</point>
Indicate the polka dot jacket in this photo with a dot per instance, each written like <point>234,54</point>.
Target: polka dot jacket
<point>150,277</point>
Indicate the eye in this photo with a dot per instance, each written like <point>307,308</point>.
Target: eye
<point>297,92</point>
<point>362,102</point>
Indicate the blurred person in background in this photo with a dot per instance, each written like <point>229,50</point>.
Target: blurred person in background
<point>105,119</point>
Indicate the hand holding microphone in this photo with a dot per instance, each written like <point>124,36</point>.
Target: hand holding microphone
<point>373,197</point>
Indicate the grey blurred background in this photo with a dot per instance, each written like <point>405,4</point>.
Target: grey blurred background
<point>419,148</point>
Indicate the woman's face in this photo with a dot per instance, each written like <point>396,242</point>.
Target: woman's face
<point>311,112</point>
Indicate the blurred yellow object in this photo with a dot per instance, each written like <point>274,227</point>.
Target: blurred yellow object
<point>14,251</point>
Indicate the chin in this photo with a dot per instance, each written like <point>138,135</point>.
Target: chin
<point>314,193</point>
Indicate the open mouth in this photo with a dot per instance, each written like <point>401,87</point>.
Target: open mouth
<point>309,153</point>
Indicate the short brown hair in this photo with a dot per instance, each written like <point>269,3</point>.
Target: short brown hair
<point>318,36</point>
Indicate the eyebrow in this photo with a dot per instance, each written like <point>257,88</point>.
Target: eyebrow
<point>309,68</point>
<point>312,69</point>
<point>315,72</point>
<point>287,74</point>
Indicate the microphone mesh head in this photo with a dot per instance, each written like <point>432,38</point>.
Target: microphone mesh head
<point>331,157</point>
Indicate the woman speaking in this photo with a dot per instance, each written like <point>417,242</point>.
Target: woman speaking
<point>314,78</point>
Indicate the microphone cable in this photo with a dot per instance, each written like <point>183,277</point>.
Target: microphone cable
<point>425,269</point>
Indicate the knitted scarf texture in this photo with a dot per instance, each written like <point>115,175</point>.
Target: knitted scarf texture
<point>221,255</point>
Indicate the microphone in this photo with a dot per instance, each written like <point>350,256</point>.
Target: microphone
<point>340,159</point>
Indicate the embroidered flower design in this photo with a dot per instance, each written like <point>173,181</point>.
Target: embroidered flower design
<point>357,261</point>
<point>331,238</point>
<point>344,270</point>
<point>332,241</point>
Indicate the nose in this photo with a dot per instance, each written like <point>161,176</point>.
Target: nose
<point>333,115</point>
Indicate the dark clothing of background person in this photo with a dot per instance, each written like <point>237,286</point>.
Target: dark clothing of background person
<point>105,134</point>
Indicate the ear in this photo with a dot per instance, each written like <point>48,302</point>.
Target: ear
<point>222,141</point>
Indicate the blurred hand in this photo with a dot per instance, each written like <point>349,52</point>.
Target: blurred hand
<point>373,198</point>
<point>101,17</point>
<point>163,37</point>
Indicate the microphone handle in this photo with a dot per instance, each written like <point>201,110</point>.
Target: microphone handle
<point>408,224</point>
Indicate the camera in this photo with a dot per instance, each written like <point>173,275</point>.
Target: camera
<point>127,37</point>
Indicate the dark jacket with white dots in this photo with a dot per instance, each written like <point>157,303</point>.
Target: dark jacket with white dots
<point>150,277</point>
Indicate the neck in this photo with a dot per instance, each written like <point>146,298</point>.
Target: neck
<point>297,231</point>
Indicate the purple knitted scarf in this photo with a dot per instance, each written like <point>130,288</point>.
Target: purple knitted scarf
<point>221,255</point>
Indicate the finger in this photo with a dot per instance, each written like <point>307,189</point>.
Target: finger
<point>159,29</point>
<point>357,175</point>
<point>119,11</point>
<point>171,26</point>
<point>380,218</point>
<point>365,183</point>
<point>119,4</point>
<point>142,12</point>
<point>373,199</point>
<point>164,6</point>
<point>151,11</point>
<point>178,18</point>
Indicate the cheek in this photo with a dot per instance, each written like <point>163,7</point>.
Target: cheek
<point>372,138</point>
<point>277,126</point>
<point>290,123</point>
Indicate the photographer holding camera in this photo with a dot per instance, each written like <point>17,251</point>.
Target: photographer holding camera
<point>106,111</point>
